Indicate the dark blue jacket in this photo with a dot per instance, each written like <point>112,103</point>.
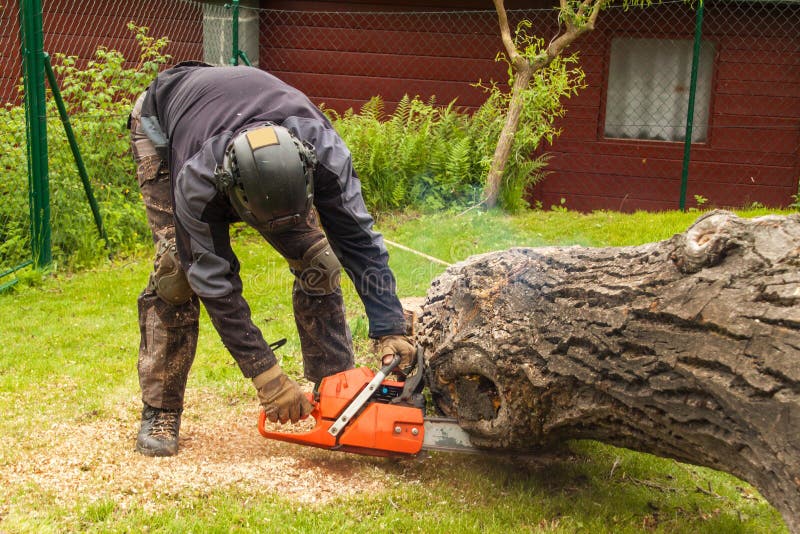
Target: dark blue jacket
<point>191,112</point>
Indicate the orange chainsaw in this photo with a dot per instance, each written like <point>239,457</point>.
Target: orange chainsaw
<point>362,412</point>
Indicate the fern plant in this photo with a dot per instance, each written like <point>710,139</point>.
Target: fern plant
<point>434,157</point>
<point>421,155</point>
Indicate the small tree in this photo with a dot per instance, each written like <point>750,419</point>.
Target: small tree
<point>578,17</point>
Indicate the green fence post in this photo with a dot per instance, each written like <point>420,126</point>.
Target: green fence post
<point>73,145</point>
<point>245,59</point>
<point>687,142</point>
<point>36,120</point>
<point>235,33</point>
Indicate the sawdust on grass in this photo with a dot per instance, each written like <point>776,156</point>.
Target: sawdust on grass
<point>92,458</point>
<point>220,448</point>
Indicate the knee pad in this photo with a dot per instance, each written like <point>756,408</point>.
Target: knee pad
<point>168,280</point>
<point>319,271</point>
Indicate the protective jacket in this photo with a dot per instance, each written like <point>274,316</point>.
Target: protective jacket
<point>191,112</point>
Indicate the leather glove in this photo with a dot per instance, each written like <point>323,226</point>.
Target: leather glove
<point>281,397</point>
<point>389,346</point>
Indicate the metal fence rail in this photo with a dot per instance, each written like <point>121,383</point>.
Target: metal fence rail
<point>623,137</point>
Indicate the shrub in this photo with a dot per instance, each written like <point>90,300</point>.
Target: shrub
<point>421,155</point>
<point>98,96</point>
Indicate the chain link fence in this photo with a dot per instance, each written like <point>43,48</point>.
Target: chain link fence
<point>80,28</point>
<point>99,53</point>
<point>622,145</point>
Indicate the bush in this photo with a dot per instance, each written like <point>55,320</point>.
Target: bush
<point>431,157</point>
<point>98,97</point>
<point>14,217</point>
<point>421,156</point>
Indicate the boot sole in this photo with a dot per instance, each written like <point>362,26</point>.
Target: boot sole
<point>156,452</point>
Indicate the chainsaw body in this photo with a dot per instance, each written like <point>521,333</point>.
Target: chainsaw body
<point>382,425</point>
<point>360,411</point>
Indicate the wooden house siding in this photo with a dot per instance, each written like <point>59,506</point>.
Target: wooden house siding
<point>78,28</point>
<point>10,55</point>
<point>341,64</point>
<point>753,149</point>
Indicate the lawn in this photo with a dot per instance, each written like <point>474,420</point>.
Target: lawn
<point>70,402</point>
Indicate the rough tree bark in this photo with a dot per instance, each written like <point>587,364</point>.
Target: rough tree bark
<point>688,348</point>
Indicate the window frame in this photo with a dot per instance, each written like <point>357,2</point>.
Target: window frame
<point>604,94</point>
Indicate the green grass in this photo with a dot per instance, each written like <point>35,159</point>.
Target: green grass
<point>576,493</point>
<point>68,353</point>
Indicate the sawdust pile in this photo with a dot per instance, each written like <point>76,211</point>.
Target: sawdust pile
<point>220,448</point>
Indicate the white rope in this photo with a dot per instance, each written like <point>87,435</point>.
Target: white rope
<point>418,253</point>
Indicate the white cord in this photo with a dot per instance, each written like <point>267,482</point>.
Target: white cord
<point>418,253</point>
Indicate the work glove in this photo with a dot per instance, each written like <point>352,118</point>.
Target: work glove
<point>281,397</point>
<point>396,344</point>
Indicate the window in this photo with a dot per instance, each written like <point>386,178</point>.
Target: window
<point>217,42</point>
<point>648,89</point>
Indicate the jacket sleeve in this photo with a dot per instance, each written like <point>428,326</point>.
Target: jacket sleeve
<point>349,227</point>
<point>202,235</point>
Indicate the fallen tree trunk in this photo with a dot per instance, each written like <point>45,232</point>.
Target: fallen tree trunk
<point>688,348</point>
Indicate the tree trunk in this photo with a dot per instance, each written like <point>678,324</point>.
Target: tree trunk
<point>688,348</point>
<point>506,140</point>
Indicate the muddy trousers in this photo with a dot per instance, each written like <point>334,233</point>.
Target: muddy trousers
<point>166,350</point>
<point>168,332</point>
<point>325,339</point>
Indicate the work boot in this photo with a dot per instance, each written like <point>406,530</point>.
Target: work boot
<point>158,435</point>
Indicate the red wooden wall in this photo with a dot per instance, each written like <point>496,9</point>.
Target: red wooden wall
<point>10,56</point>
<point>753,148</point>
<point>78,28</point>
<point>343,53</point>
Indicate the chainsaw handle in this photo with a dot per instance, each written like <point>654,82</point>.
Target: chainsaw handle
<point>413,384</point>
<point>262,416</point>
<point>389,367</point>
<point>262,421</point>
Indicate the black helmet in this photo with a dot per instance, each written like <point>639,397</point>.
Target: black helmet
<point>268,175</point>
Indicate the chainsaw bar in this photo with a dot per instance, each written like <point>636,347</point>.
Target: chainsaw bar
<point>445,434</point>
